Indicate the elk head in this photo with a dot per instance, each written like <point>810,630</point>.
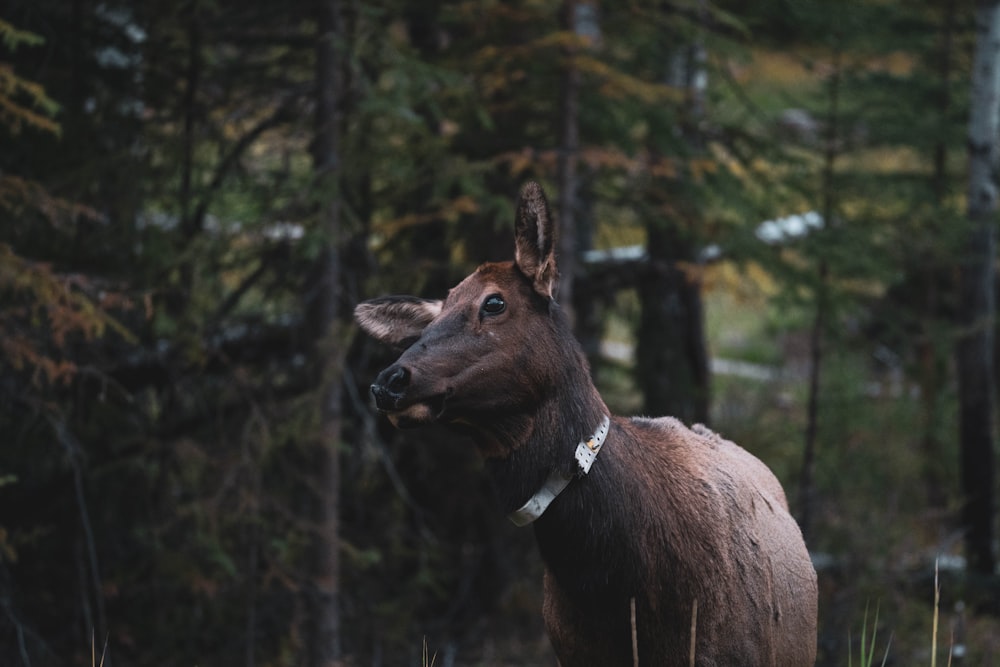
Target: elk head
<point>487,356</point>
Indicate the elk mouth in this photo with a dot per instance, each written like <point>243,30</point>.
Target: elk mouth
<point>419,413</point>
<point>407,404</point>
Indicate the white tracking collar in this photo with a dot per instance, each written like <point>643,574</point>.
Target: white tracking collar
<point>586,452</point>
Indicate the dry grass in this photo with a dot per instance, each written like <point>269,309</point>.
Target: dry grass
<point>93,651</point>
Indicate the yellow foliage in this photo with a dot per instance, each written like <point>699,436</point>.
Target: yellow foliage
<point>21,352</point>
<point>498,66</point>
<point>18,195</point>
<point>894,160</point>
<point>23,102</point>
<point>7,552</point>
<point>450,211</point>
<point>34,111</point>
<point>778,68</point>
<point>617,84</point>
<point>520,161</point>
<point>749,283</point>
<point>44,310</point>
<point>610,158</point>
<point>700,167</point>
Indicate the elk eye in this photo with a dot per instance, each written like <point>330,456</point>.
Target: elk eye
<point>494,305</point>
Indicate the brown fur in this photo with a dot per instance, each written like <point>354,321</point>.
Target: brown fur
<point>668,517</point>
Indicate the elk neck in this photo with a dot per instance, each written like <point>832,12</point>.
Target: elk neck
<point>585,454</point>
<point>547,438</point>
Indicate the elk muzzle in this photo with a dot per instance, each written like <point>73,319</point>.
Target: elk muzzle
<point>405,406</point>
<point>390,386</point>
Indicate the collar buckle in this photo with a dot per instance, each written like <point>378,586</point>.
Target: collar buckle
<point>586,453</point>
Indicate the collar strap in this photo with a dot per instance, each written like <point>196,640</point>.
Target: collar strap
<point>586,452</point>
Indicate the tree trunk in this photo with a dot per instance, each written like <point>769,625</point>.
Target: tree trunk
<point>190,111</point>
<point>575,214</point>
<point>672,366</point>
<point>976,302</point>
<point>568,150</point>
<point>807,491</point>
<point>671,355</point>
<point>177,302</point>
<point>325,641</point>
<point>591,293</point>
<point>932,352</point>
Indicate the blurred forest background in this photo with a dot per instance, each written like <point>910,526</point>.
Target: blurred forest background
<point>766,228</point>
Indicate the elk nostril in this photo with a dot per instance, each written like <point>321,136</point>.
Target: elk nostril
<point>398,380</point>
<point>390,386</point>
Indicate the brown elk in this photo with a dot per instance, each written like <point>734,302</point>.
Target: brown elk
<point>659,542</point>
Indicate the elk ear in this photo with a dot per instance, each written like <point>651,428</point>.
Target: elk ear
<point>396,320</point>
<point>535,240</point>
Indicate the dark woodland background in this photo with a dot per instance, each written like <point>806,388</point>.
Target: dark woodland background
<point>766,227</point>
